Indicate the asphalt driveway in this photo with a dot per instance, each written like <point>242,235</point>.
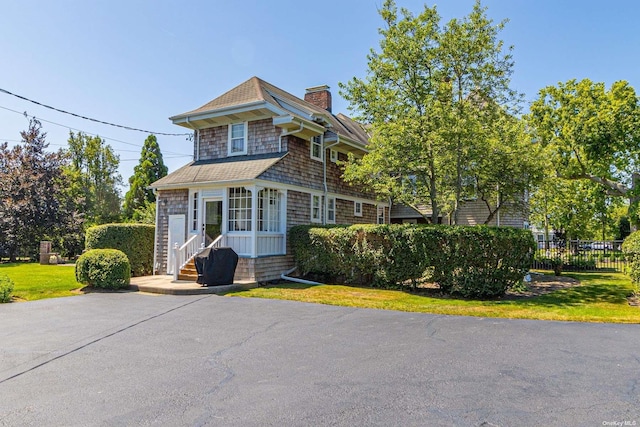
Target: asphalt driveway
<point>135,359</point>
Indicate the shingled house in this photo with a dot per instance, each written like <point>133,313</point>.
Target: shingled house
<point>264,161</point>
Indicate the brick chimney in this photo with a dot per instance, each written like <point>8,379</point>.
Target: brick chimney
<point>319,96</point>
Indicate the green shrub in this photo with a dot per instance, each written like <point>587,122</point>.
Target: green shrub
<point>468,261</point>
<point>104,268</point>
<point>6,287</point>
<point>135,240</point>
<point>482,261</point>
<point>631,249</point>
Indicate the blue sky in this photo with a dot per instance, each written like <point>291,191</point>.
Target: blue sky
<point>138,62</point>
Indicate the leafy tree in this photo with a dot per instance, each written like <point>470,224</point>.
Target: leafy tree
<point>592,134</point>
<point>150,169</point>
<point>437,100</point>
<point>507,168</point>
<point>145,214</point>
<point>34,205</point>
<point>93,171</point>
<point>574,209</point>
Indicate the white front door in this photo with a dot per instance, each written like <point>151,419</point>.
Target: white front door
<point>177,234</point>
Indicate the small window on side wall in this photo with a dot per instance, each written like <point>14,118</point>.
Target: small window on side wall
<point>381,215</point>
<point>333,155</point>
<point>357,208</point>
<point>316,208</point>
<point>316,148</point>
<point>331,210</point>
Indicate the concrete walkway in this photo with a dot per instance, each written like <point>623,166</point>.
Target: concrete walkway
<point>164,284</point>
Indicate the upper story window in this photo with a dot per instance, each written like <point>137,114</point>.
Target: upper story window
<point>316,148</point>
<point>333,155</point>
<point>357,208</point>
<point>237,139</point>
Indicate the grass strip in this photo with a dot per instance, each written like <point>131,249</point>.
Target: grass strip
<point>601,297</point>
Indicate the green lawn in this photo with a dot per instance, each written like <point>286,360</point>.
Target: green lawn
<point>601,298</point>
<point>34,281</point>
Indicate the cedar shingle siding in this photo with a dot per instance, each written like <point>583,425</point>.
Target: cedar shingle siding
<point>170,202</point>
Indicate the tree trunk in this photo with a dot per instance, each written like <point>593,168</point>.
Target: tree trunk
<point>433,192</point>
<point>634,200</point>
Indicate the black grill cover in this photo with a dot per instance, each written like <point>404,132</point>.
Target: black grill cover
<point>216,266</point>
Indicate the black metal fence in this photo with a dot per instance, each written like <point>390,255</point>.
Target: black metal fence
<point>580,255</point>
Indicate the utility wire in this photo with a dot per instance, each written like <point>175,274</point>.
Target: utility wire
<point>85,132</point>
<point>89,118</point>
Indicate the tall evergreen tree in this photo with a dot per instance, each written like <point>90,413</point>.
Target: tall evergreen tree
<point>150,169</point>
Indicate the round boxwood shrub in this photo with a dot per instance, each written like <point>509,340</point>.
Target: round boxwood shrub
<point>104,268</point>
<point>135,240</point>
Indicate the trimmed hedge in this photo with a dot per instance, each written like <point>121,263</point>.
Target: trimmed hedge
<point>476,261</point>
<point>631,249</point>
<point>6,287</point>
<point>104,268</point>
<point>135,240</point>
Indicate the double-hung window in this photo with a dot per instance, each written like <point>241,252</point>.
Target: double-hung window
<point>331,210</point>
<point>237,139</point>
<point>316,208</point>
<point>316,148</point>
<point>357,208</point>
<point>333,155</point>
<point>381,215</point>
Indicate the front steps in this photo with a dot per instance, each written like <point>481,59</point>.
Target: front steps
<point>188,272</point>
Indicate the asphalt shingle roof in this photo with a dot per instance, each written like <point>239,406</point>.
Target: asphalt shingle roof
<point>256,90</point>
<point>225,169</point>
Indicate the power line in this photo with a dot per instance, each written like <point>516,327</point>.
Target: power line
<point>89,118</point>
<point>83,131</point>
<point>168,157</point>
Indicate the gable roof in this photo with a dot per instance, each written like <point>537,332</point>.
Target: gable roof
<point>219,170</point>
<point>258,95</point>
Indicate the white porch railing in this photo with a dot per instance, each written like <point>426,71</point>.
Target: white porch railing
<point>185,253</point>
<point>217,243</point>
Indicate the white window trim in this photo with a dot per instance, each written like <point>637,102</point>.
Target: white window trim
<point>317,220</point>
<point>269,210</point>
<point>384,219</point>
<point>245,142</point>
<point>355,208</point>
<point>312,143</point>
<point>333,155</point>
<point>194,195</point>
<point>331,221</point>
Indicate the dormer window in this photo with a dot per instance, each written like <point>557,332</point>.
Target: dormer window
<point>316,148</point>
<point>237,139</point>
